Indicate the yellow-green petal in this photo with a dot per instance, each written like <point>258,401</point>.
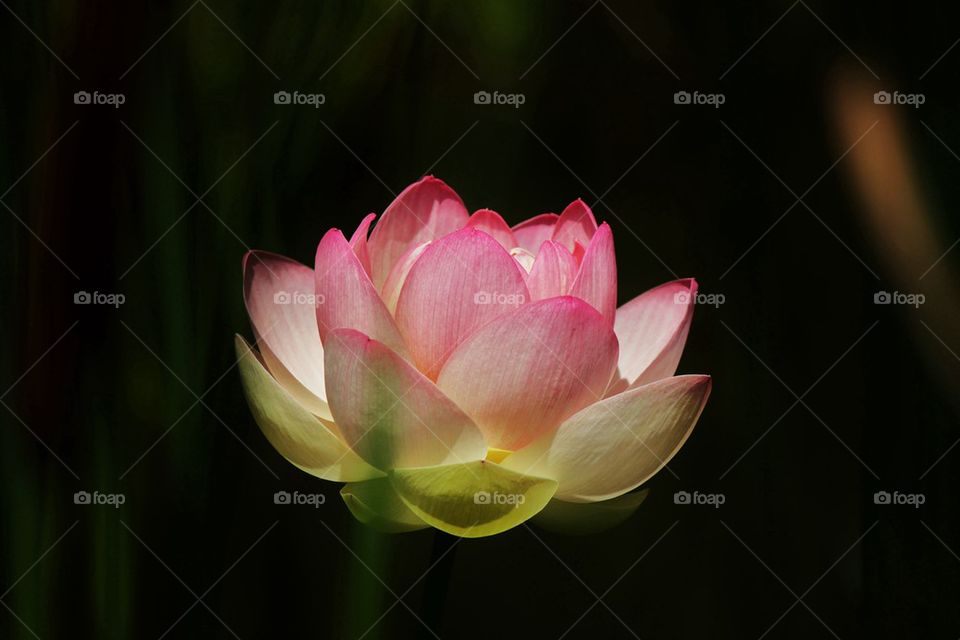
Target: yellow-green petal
<point>298,435</point>
<point>376,504</point>
<point>473,499</point>
<point>582,518</point>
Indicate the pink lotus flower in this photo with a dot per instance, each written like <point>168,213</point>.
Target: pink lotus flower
<point>460,373</point>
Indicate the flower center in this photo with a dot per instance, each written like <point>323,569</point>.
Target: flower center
<point>497,455</point>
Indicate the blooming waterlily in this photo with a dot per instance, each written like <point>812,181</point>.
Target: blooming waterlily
<point>459,373</point>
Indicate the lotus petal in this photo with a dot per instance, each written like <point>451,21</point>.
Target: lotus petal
<point>297,434</point>
<point>471,500</point>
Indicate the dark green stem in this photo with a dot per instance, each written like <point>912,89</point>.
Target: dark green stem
<point>437,582</point>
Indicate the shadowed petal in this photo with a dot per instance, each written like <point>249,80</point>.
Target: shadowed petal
<point>583,518</point>
<point>359,241</point>
<point>391,414</point>
<point>294,432</point>
<point>377,505</point>
<point>471,500</point>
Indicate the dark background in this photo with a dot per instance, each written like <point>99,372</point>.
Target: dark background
<point>106,399</point>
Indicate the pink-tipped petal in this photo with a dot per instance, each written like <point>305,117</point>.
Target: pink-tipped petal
<point>652,329</point>
<point>520,375</point>
<point>391,414</point>
<point>493,224</point>
<point>576,224</point>
<point>345,296</point>
<point>531,233</point>
<point>424,211</point>
<point>278,293</point>
<point>359,241</point>
<point>596,282</point>
<point>459,283</point>
<point>553,272</point>
<point>398,276</point>
<point>615,445</point>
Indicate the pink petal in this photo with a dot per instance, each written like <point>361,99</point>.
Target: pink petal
<point>345,296</point>
<point>578,252</point>
<point>652,329</point>
<point>459,283</point>
<point>389,413</point>
<point>278,293</point>
<point>398,276</point>
<point>523,373</point>
<point>553,272</point>
<point>530,234</point>
<point>616,445</point>
<point>425,211</point>
<point>359,241</point>
<point>596,281</point>
<point>491,223</point>
<point>576,224</point>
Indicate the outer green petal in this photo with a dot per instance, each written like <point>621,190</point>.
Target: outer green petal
<point>581,518</point>
<point>473,499</point>
<point>376,504</point>
<point>297,434</point>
